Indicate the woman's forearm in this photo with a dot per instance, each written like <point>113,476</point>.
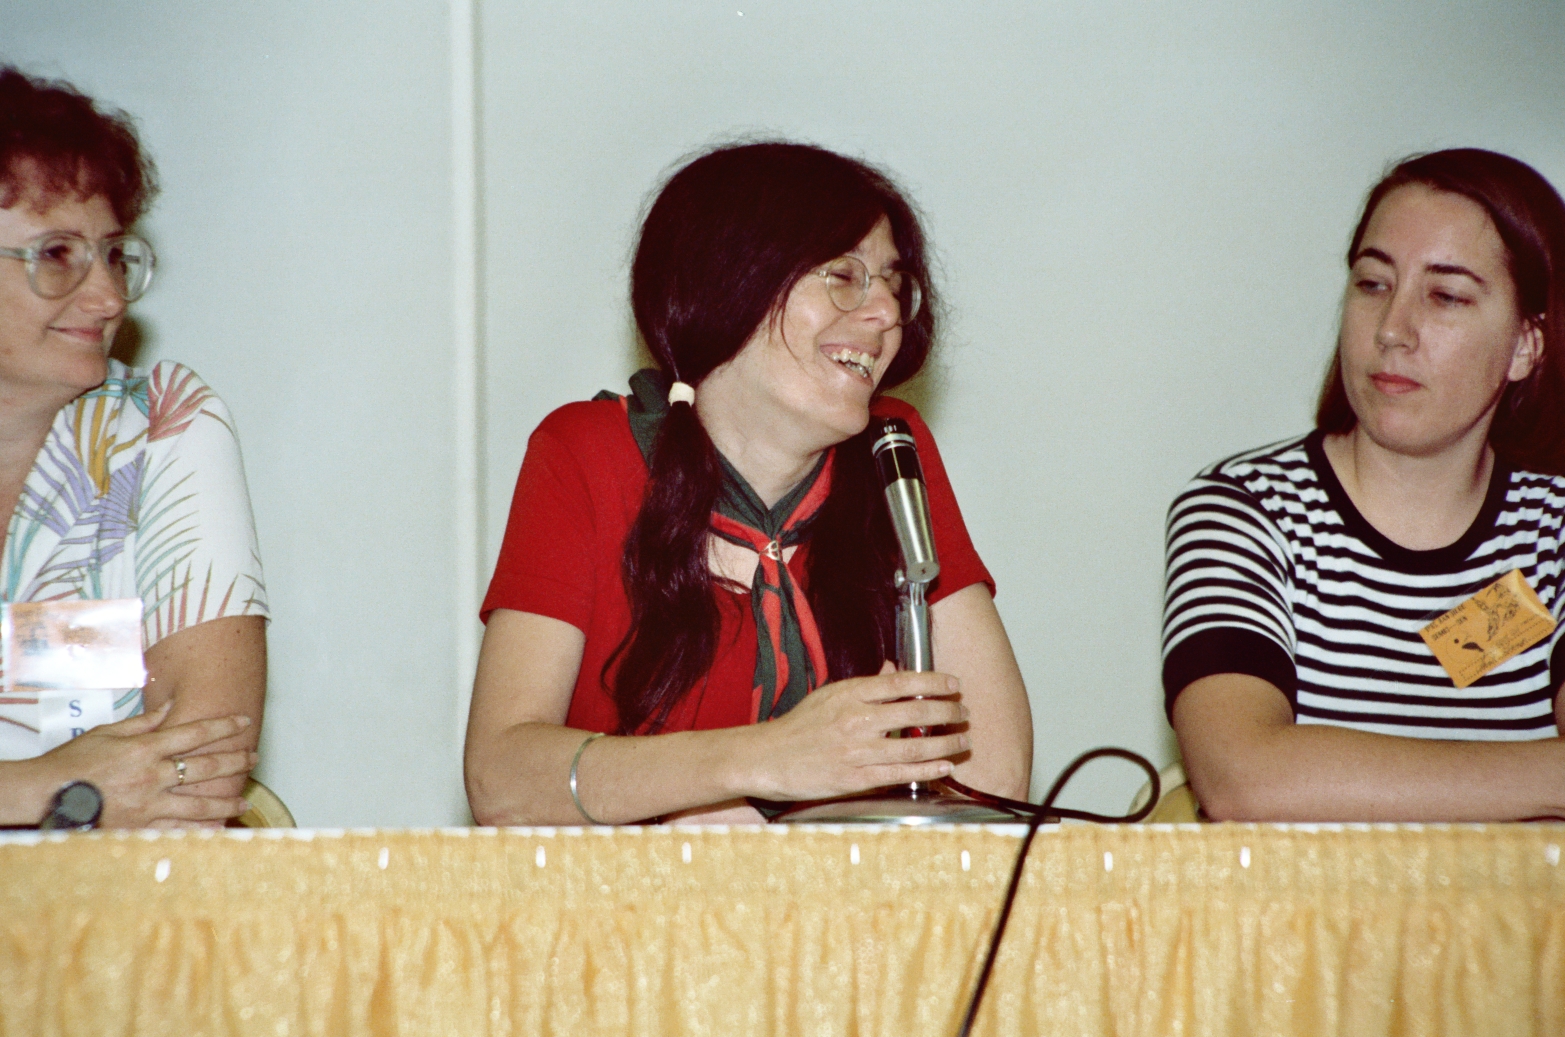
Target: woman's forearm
<point>518,756</point>
<point>519,753</point>
<point>1320,773</point>
<point>521,775</point>
<point>213,669</point>
<point>24,792</point>
<point>1248,761</point>
<point>970,642</point>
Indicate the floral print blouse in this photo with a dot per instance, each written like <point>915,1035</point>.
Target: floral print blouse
<point>139,492</point>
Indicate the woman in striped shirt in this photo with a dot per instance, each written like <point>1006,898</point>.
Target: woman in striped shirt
<point>1300,575</point>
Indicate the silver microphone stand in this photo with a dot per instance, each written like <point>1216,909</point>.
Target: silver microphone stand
<point>918,802</point>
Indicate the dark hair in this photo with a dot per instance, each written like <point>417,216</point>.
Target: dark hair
<point>724,243</point>
<point>54,143</point>
<point>1529,424</point>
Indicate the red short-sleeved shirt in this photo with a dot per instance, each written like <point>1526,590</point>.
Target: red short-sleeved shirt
<point>576,497</point>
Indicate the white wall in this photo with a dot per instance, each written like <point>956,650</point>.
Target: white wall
<point>1139,212</point>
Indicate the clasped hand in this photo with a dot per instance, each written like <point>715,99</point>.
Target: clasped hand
<point>135,764</point>
<point>836,742</point>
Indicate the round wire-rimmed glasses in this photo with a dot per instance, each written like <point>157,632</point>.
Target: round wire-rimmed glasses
<point>58,262</point>
<point>848,282</point>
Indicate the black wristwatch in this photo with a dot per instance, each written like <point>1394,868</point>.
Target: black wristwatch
<point>76,806</point>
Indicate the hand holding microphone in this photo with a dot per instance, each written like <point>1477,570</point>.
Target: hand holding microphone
<point>836,741</point>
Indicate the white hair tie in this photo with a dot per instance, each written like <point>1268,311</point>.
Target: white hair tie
<point>680,392</point>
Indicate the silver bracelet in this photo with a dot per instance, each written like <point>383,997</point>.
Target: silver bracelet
<point>575,763</point>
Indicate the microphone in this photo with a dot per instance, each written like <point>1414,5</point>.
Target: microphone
<point>896,456</point>
<point>77,806</point>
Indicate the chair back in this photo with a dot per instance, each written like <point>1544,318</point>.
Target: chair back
<point>1176,804</point>
<point>266,809</point>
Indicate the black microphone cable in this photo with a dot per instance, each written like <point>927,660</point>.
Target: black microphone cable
<point>896,459</point>
<point>1044,813</point>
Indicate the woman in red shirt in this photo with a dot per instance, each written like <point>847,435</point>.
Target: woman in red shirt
<point>702,570</point>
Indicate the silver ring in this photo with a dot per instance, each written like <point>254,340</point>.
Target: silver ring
<point>179,769</point>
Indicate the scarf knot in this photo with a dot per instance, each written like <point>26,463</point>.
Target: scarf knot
<point>790,658</point>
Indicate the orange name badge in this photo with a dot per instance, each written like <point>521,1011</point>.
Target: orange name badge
<point>1499,622</point>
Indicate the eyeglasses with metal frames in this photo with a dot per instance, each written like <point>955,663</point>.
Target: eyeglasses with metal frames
<point>58,262</point>
<point>848,283</point>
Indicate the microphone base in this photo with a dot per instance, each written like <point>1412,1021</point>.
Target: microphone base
<point>924,803</point>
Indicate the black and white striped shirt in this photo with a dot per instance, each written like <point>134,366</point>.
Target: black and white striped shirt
<point>1273,572</point>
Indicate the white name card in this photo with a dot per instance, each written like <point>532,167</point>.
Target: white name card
<point>73,644</point>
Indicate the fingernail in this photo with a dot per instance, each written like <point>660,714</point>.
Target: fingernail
<point>255,757</point>
<point>244,721</point>
<point>952,684</point>
<point>963,742</point>
<point>945,767</point>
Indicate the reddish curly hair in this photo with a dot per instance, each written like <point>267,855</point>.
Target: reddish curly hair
<point>55,143</point>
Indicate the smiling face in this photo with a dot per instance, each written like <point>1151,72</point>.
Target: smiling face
<point>55,348</point>
<point>809,372</point>
<point>1431,334</point>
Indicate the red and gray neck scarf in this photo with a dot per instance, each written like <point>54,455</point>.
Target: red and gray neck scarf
<point>790,661</point>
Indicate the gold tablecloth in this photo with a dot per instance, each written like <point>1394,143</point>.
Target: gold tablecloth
<point>1129,931</point>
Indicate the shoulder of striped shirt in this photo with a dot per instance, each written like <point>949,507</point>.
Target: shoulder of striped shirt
<point>1285,458</point>
<point>1272,455</point>
<point>1277,463</point>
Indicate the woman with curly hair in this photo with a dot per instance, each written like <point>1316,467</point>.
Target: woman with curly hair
<point>117,484</point>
